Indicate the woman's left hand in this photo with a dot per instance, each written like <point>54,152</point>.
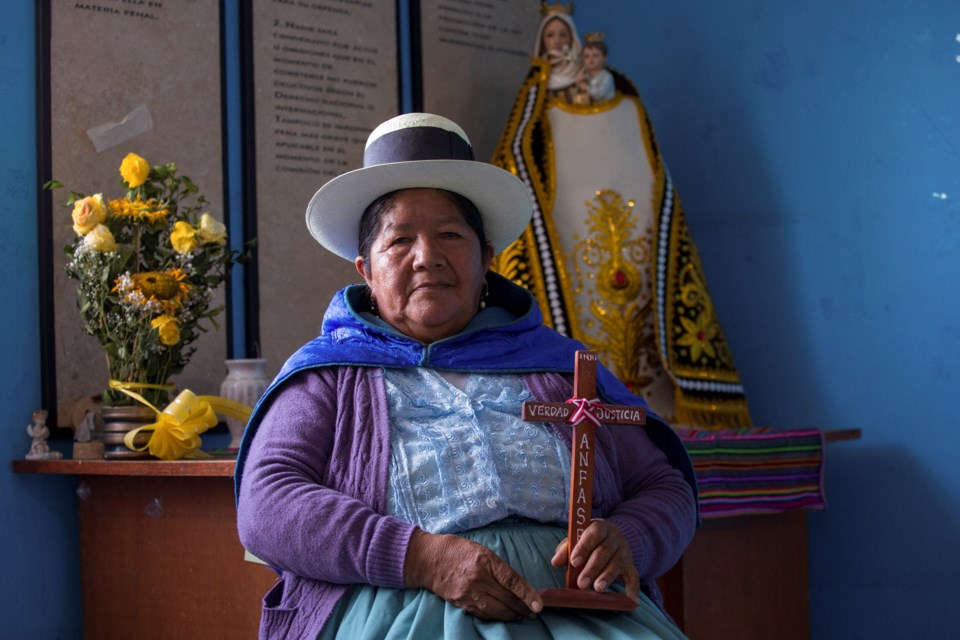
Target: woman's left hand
<point>605,556</point>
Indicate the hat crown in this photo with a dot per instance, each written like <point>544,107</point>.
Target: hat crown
<point>413,120</point>
<point>416,136</point>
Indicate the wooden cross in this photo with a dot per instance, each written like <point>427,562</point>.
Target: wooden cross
<point>586,413</point>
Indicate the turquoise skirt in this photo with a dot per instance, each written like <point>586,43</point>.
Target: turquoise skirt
<point>372,612</point>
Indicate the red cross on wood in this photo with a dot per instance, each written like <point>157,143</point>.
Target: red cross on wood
<point>585,412</point>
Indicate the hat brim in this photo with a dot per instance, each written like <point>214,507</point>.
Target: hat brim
<point>334,212</point>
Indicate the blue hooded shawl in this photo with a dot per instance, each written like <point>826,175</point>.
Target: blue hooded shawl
<point>524,345</point>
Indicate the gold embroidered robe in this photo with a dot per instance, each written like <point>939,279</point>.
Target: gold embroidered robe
<point>608,254</point>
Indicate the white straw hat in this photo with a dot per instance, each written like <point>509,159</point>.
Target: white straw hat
<point>418,150</point>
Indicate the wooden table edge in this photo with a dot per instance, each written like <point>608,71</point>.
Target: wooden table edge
<point>180,468</point>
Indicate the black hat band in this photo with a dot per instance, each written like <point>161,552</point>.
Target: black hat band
<point>417,143</point>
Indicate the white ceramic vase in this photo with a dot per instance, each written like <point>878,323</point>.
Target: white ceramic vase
<point>245,382</point>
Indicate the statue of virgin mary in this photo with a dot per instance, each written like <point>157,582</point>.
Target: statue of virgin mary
<point>608,255</point>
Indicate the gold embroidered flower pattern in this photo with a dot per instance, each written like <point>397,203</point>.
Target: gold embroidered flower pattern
<point>698,335</point>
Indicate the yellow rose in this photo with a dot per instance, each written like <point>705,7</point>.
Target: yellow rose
<point>134,170</point>
<point>211,230</point>
<point>168,327</point>
<point>88,213</point>
<point>183,237</point>
<point>100,239</point>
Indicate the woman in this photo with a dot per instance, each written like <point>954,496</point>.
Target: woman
<point>386,473</point>
<point>608,256</point>
<point>559,44</point>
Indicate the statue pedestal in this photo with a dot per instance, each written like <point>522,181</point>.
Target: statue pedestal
<point>92,450</point>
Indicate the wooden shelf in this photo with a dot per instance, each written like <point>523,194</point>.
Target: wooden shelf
<point>221,466</point>
<point>217,467</point>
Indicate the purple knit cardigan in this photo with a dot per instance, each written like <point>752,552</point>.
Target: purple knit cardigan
<point>314,493</point>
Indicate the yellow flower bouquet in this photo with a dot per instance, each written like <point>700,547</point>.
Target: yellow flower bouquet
<point>147,264</point>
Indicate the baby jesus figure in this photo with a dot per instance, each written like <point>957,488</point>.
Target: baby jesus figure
<point>595,83</point>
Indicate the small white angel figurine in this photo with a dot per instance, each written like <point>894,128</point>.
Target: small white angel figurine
<point>39,449</point>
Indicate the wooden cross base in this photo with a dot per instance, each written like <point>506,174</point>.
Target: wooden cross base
<point>586,599</point>
<point>581,477</point>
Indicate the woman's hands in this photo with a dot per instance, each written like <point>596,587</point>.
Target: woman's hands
<point>469,576</point>
<point>603,553</point>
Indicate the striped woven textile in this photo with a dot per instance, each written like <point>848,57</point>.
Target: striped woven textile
<point>756,470</point>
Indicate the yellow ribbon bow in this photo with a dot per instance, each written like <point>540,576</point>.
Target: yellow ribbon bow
<point>176,433</point>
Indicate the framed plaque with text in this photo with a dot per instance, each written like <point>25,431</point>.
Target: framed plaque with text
<point>325,73</point>
<point>475,54</point>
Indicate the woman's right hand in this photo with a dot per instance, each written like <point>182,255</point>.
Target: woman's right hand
<point>469,576</point>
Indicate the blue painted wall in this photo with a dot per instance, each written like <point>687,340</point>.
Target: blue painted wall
<point>40,588</point>
<point>816,146</point>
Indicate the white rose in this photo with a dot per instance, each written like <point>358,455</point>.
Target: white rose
<point>211,231</point>
<point>100,239</point>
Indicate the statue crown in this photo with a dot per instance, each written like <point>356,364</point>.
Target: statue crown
<point>558,7</point>
<point>594,36</point>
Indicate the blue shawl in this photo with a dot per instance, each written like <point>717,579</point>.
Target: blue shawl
<point>524,345</point>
